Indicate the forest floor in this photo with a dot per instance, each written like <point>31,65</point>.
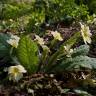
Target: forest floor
<point>50,84</point>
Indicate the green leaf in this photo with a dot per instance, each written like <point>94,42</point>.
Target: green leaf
<point>4,46</point>
<point>65,90</point>
<point>27,53</point>
<point>76,63</point>
<point>82,50</point>
<point>71,41</point>
<point>82,93</point>
<point>80,62</point>
<point>52,60</point>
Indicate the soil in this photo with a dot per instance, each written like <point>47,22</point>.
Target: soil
<point>39,85</point>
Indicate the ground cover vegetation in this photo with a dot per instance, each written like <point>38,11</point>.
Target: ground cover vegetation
<point>47,48</point>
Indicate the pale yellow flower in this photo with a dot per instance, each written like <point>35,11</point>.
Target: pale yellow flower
<point>68,51</point>
<point>57,35</point>
<point>13,41</point>
<point>16,72</point>
<point>39,40</point>
<point>85,33</point>
<point>11,20</point>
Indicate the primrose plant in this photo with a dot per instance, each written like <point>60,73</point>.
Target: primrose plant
<point>38,55</point>
<point>13,41</point>
<point>85,33</point>
<point>15,72</point>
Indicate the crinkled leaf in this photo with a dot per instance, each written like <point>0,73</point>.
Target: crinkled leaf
<point>82,50</point>
<point>83,62</point>
<point>77,63</point>
<point>27,53</point>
